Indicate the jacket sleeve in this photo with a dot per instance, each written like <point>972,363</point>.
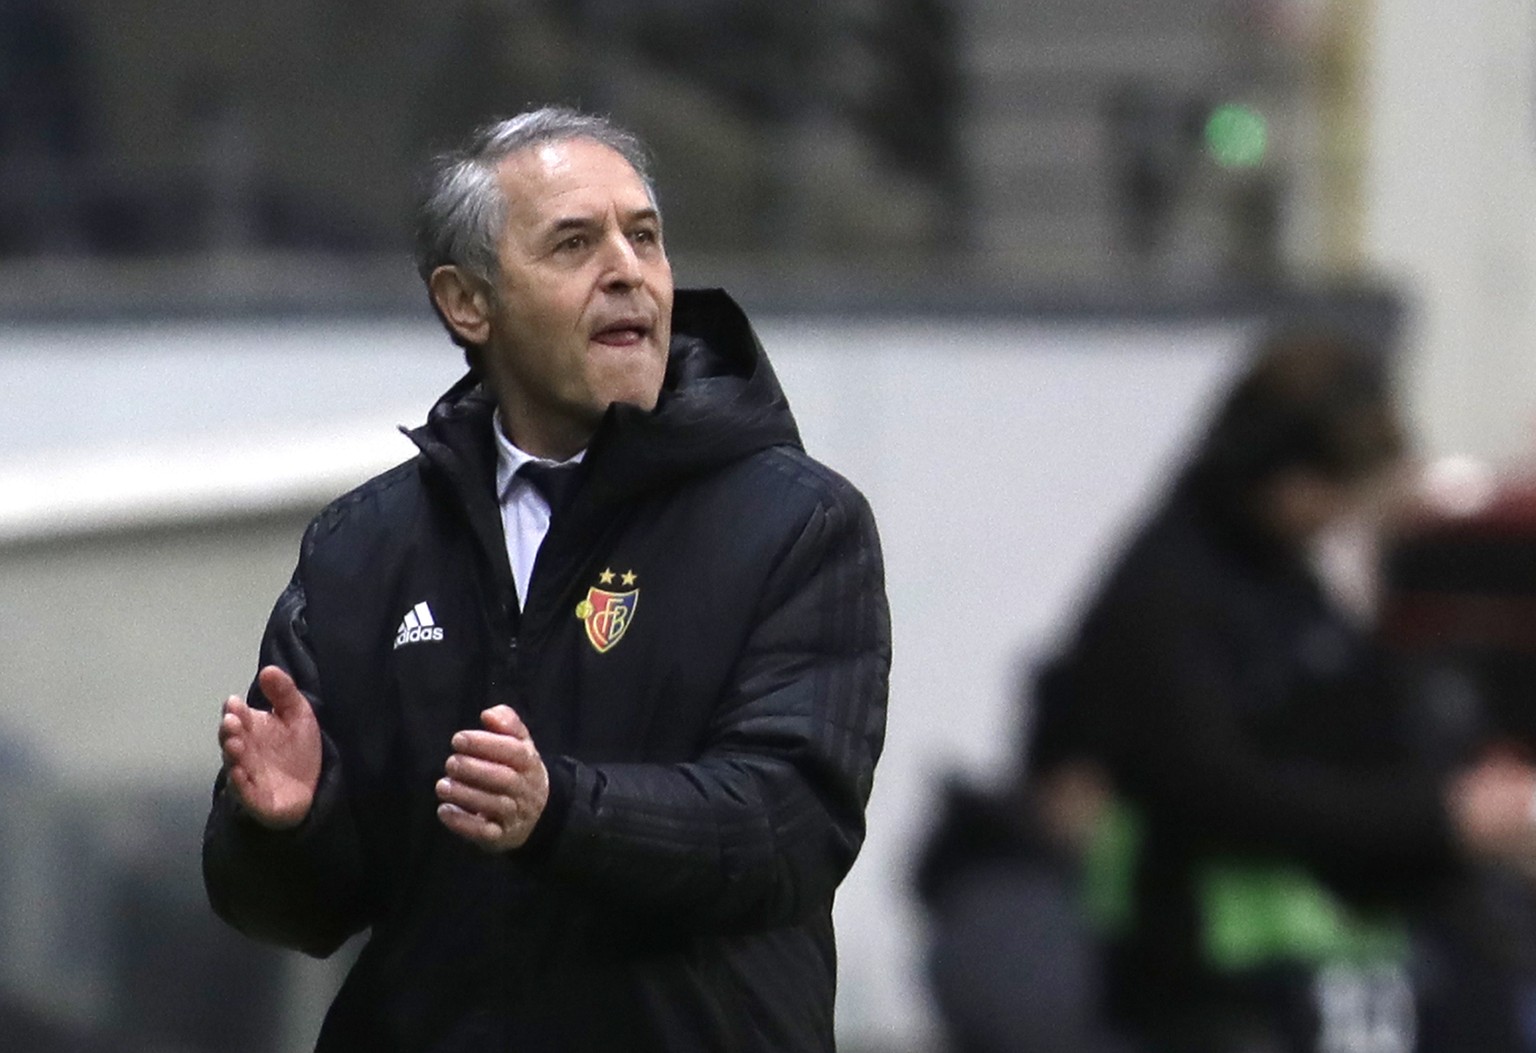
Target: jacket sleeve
<point>761,828</point>
<point>1182,752</point>
<point>299,888</point>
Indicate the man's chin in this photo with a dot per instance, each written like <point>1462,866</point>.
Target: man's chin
<point>639,385</point>
<point>644,401</point>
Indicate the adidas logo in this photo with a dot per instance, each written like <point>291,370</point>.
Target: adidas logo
<point>418,626</point>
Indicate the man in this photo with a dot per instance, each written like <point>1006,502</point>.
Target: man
<point>587,758</point>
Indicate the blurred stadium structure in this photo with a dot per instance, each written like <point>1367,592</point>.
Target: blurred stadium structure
<point>1028,144</point>
<point>1042,227</point>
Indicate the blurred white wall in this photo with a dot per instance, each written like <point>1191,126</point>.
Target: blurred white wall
<point>155,482</point>
<point>1450,190</point>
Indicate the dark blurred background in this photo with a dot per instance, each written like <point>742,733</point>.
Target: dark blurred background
<point>1020,145</point>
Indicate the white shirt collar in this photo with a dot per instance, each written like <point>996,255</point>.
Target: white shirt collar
<point>510,457</point>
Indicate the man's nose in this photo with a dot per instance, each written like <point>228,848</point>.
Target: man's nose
<point>622,263</point>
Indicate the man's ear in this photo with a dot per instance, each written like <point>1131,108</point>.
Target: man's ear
<point>464,302</point>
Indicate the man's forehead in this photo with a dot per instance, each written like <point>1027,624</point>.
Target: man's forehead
<point>539,175</point>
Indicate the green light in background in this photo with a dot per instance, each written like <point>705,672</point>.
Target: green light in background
<point>1236,136</point>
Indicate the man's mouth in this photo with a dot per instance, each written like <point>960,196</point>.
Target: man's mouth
<point>625,333</point>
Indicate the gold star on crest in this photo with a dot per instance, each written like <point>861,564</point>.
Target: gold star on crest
<point>628,578</point>
<point>606,577</point>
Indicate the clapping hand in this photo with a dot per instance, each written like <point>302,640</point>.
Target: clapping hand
<point>272,758</point>
<point>495,785</point>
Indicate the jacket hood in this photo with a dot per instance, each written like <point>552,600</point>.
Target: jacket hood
<point>720,401</point>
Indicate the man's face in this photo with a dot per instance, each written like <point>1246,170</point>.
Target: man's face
<point>583,309</point>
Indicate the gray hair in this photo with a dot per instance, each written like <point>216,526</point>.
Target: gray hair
<point>463,210</point>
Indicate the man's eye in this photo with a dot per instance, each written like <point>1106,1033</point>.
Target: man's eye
<point>572,243</point>
<point>645,236</point>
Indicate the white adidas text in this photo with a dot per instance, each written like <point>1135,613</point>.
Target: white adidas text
<point>418,626</point>
<point>418,635</point>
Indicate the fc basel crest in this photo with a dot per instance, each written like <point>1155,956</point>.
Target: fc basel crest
<point>607,614</point>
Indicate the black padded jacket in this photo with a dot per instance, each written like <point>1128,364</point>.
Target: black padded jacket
<point>709,765</point>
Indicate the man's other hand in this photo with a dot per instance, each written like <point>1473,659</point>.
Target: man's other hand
<point>495,784</point>
<point>272,759</point>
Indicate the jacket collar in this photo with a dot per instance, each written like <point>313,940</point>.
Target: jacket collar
<point>720,401</point>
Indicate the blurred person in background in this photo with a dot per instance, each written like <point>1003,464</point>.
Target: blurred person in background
<point>1245,780</point>
<point>571,820</point>
<point>1283,815</point>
